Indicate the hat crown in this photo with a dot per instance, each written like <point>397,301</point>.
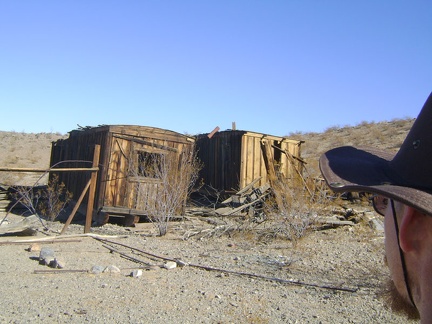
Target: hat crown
<point>413,162</point>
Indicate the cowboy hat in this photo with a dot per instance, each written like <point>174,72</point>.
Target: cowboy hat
<point>405,176</point>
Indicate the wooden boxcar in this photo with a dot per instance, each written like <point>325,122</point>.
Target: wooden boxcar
<point>122,188</point>
<point>232,159</point>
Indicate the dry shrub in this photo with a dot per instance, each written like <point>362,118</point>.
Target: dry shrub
<point>289,212</point>
<point>175,176</point>
<point>292,209</point>
<point>54,199</point>
<point>46,202</point>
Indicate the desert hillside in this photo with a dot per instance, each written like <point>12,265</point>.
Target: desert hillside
<point>25,150</point>
<point>30,150</point>
<point>387,135</point>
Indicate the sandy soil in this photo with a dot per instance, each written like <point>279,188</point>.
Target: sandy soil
<point>346,260</point>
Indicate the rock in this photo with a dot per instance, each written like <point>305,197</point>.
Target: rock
<point>34,247</point>
<point>96,269</point>
<point>375,222</point>
<point>46,256</point>
<point>57,264</point>
<point>170,265</point>
<point>112,269</point>
<point>136,273</point>
<point>181,263</point>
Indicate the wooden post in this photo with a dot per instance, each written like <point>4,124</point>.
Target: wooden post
<point>271,172</point>
<point>291,159</point>
<point>92,189</point>
<point>71,216</point>
<point>268,160</point>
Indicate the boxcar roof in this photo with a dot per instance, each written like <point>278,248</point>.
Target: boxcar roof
<point>252,134</point>
<point>135,130</point>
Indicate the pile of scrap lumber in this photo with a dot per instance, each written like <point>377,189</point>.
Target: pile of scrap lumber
<point>249,199</point>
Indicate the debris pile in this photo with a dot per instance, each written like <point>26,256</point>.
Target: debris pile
<point>250,198</point>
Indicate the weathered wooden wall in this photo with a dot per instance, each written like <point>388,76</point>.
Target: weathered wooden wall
<point>232,159</point>
<point>77,151</point>
<point>119,182</point>
<point>221,156</point>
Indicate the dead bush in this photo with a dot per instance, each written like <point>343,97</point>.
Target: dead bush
<point>54,199</point>
<point>46,202</point>
<point>292,209</point>
<point>174,175</point>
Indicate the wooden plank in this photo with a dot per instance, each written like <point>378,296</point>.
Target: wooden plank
<point>125,161</point>
<point>92,189</point>
<point>48,170</point>
<point>20,226</point>
<point>152,132</point>
<point>255,162</point>
<point>214,131</point>
<point>112,175</point>
<point>123,211</point>
<point>242,191</point>
<point>144,142</point>
<point>71,216</point>
<point>269,161</point>
<point>260,163</point>
<point>293,163</point>
<point>240,208</point>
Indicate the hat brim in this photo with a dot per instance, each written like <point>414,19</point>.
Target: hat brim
<point>362,169</point>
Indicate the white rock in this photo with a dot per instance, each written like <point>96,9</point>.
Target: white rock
<point>170,265</point>
<point>181,263</point>
<point>112,269</point>
<point>97,269</point>
<point>136,273</point>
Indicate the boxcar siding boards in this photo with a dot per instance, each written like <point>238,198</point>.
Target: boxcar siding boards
<point>117,185</point>
<point>117,173</point>
<point>81,149</point>
<point>292,147</point>
<point>233,159</point>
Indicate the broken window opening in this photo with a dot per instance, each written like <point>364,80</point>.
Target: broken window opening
<point>149,164</point>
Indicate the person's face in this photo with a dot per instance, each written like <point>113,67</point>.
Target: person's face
<point>392,249</point>
<point>396,288</point>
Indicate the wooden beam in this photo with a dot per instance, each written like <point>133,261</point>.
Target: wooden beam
<point>241,192</point>
<point>267,154</point>
<point>291,158</point>
<point>48,170</point>
<point>93,183</point>
<point>71,216</point>
<point>140,141</point>
<point>214,131</point>
<point>123,211</point>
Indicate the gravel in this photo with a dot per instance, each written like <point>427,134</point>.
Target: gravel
<point>264,292</point>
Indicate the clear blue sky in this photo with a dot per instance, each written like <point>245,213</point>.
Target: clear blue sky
<point>270,66</point>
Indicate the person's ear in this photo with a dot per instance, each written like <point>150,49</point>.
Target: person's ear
<point>412,230</point>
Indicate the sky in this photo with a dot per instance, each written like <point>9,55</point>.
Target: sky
<point>271,66</point>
